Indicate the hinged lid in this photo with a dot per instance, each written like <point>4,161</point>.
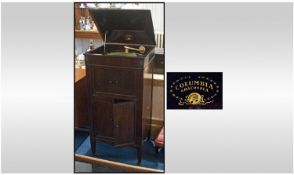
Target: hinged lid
<point>124,26</point>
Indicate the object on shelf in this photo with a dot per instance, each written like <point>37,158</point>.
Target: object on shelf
<point>87,24</point>
<point>80,61</point>
<point>82,5</point>
<point>82,23</point>
<point>94,28</point>
<point>91,45</point>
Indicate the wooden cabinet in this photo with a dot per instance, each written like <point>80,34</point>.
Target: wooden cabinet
<point>121,103</point>
<point>120,85</point>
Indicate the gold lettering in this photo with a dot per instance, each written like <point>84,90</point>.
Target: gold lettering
<point>210,86</point>
<point>203,83</point>
<point>195,84</point>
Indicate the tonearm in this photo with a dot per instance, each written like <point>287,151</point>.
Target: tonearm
<point>141,49</point>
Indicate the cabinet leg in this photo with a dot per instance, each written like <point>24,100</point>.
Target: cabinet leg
<point>139,155</point>
<point>149,134</point>
<point>93,145</point>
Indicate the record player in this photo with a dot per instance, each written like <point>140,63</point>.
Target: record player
<point>119,78</point>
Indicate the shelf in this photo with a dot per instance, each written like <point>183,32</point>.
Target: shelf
<point>87,34</point>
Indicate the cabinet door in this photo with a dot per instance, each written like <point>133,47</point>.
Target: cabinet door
<point>124,122</point>
<point>102,118</point>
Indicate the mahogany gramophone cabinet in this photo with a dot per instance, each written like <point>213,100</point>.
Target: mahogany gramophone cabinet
<point>119,78</point>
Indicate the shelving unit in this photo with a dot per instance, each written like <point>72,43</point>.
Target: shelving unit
<point>87,34</point>
<point>83,33</point>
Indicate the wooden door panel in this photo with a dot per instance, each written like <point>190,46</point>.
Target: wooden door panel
<point>124,122</point>
<point>102,117</point>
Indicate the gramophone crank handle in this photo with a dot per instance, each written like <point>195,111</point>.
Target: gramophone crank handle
<point>131,48</point>
<point>141,49</point>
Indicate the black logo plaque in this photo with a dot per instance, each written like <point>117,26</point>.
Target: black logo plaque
<point>194,90</point>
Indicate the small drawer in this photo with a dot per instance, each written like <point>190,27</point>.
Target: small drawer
<point>115,80</point>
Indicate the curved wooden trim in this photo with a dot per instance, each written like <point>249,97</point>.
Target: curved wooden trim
<point>115,165</point>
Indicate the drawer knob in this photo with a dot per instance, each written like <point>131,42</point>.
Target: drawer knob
<point>112,82</point>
